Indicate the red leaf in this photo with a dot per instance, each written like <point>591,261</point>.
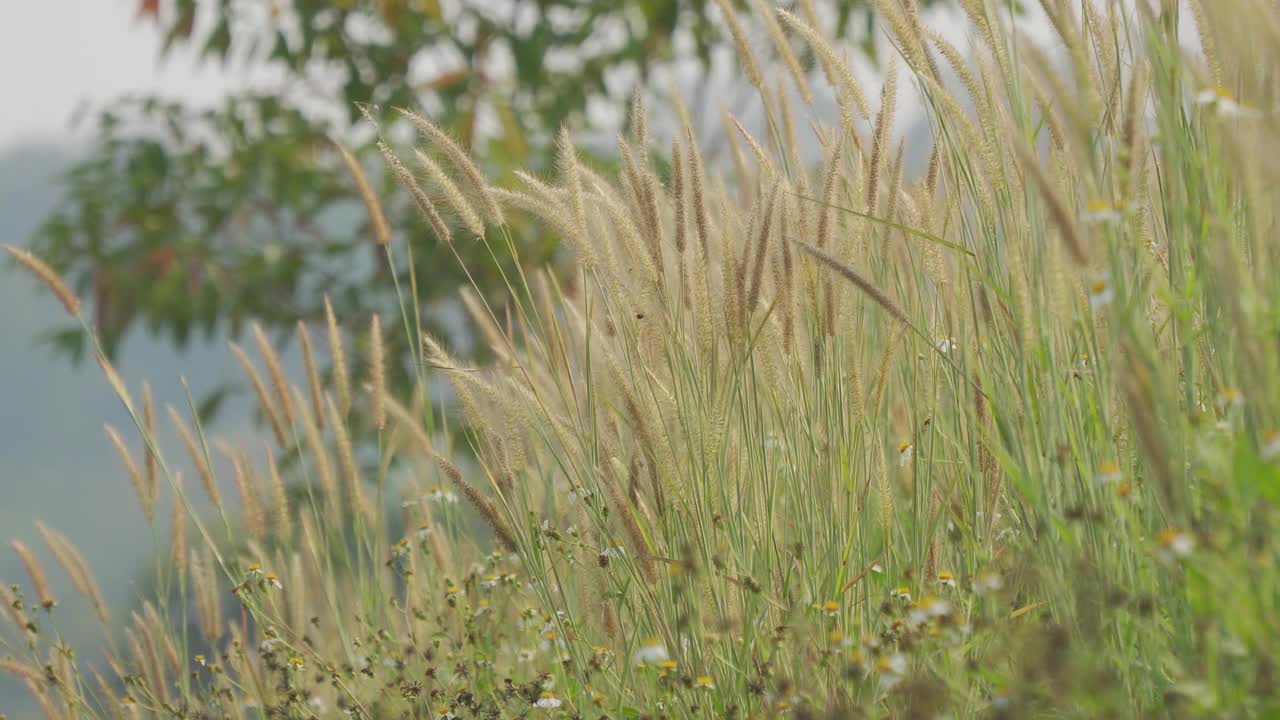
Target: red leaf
<point>149,8</point>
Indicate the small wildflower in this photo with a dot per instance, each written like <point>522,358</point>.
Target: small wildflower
<point>1100,293</point>
<point>902,593</point>
<point>839,640</point>
<point>668,665</point>
<point>438,494</point>
<point>1174,544</point>
<point>651,652</point>
<point>452,589</point>
<point>1271,444</point>
<point>1100,211</point>
<point>988,582</point>
<point>892,669</point>
<point>947,579</point>
<point>548,701</point>
<point>1230,397</point>
<point>266,645</point>
<point>877,568</point>
<point>274,581</point>
<point>1226,105</point>
<point>705,682</point>
<point>946,345</point>
<point>1109,472</point>
<point>831,608</point>
<point>296,663</point>
<point>597,698</point>
<point>200,660</point>
<point>422,532</point>
<point>904,452</point>
<point>489,581</point>
<point>254,572</point>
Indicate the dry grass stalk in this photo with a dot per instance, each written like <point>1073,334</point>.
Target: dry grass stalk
<point>745,55</point>
<point>1057,208</point>
<point>35,572</point>
<point>48,276</point>
<point>178,527</point>
<point>834,65</point>
<point>848,273</point>
<point>265,406</point>
<point>198,456</point>
<point>783,46</point>
<point>150,463</point>
<point>353,482</point>
<point>250,503</point>
<point>314,389</point>
<point>461,161</point>
<point>420,199</point>
<point>373,206</point>
<point>323,466</point>
<point>452,195</point>
<point>279,385</point>
<point>377,374</point>
<point>74,565</point>
<point>282,511</point>
<point>145,498</point>
<point>341,380</point>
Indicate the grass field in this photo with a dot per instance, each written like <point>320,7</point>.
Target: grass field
<point>997,441</point>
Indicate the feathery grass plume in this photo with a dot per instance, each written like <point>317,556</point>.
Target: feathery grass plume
<point>47,706</point>
<point>568,161</point>
<point>463,162</point>
<point>74,565</point>
<point>482,504</point>
<point>115,381</point>
<point>145,499</point>
<point>640,208</point>
<point>884,490</point>
<point>178,527</point>
<point>745,56</point>
<point>377,374</point>
<point>35,572</point>
<point>453,197</point>
<point>198,457</point>
<point>12,607</point>
<point>678,196</point>
<point>21,670</point>
<point>250,503</point>
<point>882,373</point>
<point>265,406</point>
<point>377,218</point>
<point>880,136</point>
<point>762,158</point>
<point>426,208</point>
<point>1057,208</point>
<point>783,47</point>
<point>762,247</point>
<point>157,628</point>
<point>314,389</point>
<point>1207,44</point>
<point>626,514</point>
<point>275,372</point>
<point>346,460</point>
<point>698,183</point>
<point>901,29</point>
<point>834,65</point>
<point>282,512</point>
<point>848,273</point>
<point>338,358</point>
<point>48,276</point>
<point>207,593</point>
<point>150,463</point>
<point>322,464</point>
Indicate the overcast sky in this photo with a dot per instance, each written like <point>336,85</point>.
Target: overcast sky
<point>57,54</point>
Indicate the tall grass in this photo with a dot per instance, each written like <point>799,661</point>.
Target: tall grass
<point>826,441</point>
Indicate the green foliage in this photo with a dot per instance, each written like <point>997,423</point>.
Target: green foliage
<point>189,220</point>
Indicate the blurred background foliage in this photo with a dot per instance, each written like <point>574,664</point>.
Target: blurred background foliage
<point>195,220</point>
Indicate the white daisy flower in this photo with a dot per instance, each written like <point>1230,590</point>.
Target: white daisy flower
<point>1174,544</point>
<point>651,652</point>
<point>988,582</point>
<point>1226,105</point>
<point>1100,211</point>
<point>946,578</point>
<point>548,701</point>
<point>1101,293</point>
<point>904,452</point>
<point>1108,473</point>
<point>1271,444</point>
